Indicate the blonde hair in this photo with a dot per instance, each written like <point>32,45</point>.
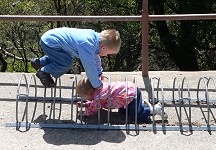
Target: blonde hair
<point>84,87</point>
<point>111,38</point>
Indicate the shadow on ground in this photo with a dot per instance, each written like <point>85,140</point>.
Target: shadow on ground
<point>79,136</point>
<point>82,137</point>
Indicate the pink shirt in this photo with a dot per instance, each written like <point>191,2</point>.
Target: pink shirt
<point>117,97</point>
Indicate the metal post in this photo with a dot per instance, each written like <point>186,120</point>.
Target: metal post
<point>145,20</point>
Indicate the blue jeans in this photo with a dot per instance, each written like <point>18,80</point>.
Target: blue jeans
<point>143,110</point>
<point>56,61</point>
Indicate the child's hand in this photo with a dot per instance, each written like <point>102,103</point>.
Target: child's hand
<point>100,87</point>
<point>79,104</point>
<point>102,77</point>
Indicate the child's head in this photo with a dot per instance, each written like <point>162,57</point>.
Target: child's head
<point>88,88</point>
<point>110,42</point>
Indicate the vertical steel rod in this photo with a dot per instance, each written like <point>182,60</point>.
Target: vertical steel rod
<point>145,20</point>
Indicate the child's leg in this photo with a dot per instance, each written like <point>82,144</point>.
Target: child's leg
<point>58,61</point>
<point>143,110</point>
<point>45,60</point>
<point>158,111</point>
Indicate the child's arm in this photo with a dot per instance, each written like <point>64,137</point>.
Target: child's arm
<point>92,68</point>
<point>85,104</point>
<point>98,65</point>
<point>91,108</point>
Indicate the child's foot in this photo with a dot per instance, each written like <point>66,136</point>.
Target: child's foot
<point>121,110</point>
<point>45,79</point>
<point>158,110</point>
<point>36,63</point>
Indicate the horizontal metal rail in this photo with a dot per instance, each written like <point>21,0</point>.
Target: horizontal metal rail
<point>66,100</point>
<point>113,127</point>
<point>107,18</point>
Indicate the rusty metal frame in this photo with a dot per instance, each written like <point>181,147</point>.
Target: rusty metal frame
<point>138,18</point>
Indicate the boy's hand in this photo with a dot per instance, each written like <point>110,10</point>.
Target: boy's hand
<point>102,77</point>
<point>100,87</point>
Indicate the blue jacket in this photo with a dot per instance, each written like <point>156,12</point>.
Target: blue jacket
<point>81,43</point>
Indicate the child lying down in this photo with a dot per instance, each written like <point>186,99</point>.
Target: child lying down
<point>118,92</point>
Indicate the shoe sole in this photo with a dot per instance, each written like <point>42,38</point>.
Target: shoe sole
<point>45,84</point>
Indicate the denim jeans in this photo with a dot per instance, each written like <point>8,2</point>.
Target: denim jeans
<point>56,61</point>
<point>143,110</point>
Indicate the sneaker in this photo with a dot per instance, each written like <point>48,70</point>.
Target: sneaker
<point>122,111</point>
<point>36,63</point>
<point>45,79</point>
<point>158,110</point>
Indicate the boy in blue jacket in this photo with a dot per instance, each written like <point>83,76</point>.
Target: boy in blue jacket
<point>62,44</point>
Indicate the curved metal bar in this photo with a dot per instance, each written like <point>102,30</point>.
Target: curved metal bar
<point>82,99</point>
<point>109,101</point>
<point>35,94</point>
<point>198,88</point>
<point>126,114</point>
<point>44,106</point>
<point>159,85</point>
<point>54,100</point>
<point>162,95</point>
<point>184,81</point>
<point>153,101</point>
<point>176,81</point>
<point>208,103</point>
<point>99,106</point>
<point>51,95</point>
<point>205,80</point>
<point>179,115</point>
<point>77,110</point>
<point>53,104</point>
<point>60,104</point>
<point>74,85</point>
<point>60,95</point>
<point>17,99</point>
<point>135,97</point>
<point>173,91</point>
<point>136,107</point>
